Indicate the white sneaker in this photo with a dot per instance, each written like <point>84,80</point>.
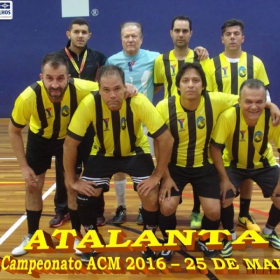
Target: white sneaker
<point>76,243</point>
<point>18,251</point>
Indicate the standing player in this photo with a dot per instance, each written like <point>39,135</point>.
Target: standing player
<point>225,73</point>
<point>138,66</point>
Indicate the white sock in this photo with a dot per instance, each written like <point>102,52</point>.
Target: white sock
<point>267,230</point>
<point>140,205</point>
<point>233,234</point>
<point>120,192</point>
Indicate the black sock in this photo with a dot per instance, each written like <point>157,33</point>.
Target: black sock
<point>150,220</point>
<point>227,216</point>
<point>273,217</point>
<point>33,220</point>
<point>209,224</point>
<point>88,215</point>
<point>166,223</point>
<point>244,207</point>
<point>75,219</point>
<point>100,205</point>
<point>196,202</point>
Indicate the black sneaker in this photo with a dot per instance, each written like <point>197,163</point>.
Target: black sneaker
<point>59,219</point>
<point>101,221</point>
<point>209,254</point>
<point>166,254</point>
<point>86,256</point>
<point>139,220</point>
<point>149,254</point>
<point>120,215</point>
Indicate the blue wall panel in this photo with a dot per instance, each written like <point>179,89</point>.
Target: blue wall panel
<point>37,28</point>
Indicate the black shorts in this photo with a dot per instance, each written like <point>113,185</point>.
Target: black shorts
<point>266,178</point>
<point>203,179</point>
<point>39,152</point>
<point>100,169</point>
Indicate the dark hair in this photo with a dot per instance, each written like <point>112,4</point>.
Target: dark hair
<point>79,21</point>
<point>181,17</point>
<point>253,84</point>
<point>109,70</point>
<point>55,59</point>
<point>233,22</point>
<point>187,66</point>
<point>129,23</point>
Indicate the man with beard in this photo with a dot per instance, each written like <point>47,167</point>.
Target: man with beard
<point>84,63</point>
<point>47,106</point>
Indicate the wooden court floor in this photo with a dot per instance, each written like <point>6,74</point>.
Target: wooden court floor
<point>13,227</point>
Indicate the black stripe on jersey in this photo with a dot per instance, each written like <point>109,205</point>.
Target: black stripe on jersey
<point>173,127</point>
<point>195,59</point>
<point>234,78</point>
<point>116,133</point>
<point>218,73</point>
<point>180,63</point>
<point>250,66</point>
<point>40,107</point>
<point>209,126</point>
<point>73,98</point>
<point>130,126</point>
<point>265,140</point>
<point>251,148</point>
<point>166,63</point>
<point>99,122</point>
<point>56,123</point>
<point>192,138</point>
<point>235,140</point>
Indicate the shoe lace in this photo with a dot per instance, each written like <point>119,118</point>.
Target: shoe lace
<point>120,210</point>
<point>25,240</point>
<point>195,216</point>
<point>251,219</point>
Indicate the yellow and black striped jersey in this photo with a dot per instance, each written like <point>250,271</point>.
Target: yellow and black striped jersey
<point>247,147</point>
<point>192,130</point>
<point>166,68</point>
<point>118,133</point>
<point>50,120</point>
<point>225,76</point>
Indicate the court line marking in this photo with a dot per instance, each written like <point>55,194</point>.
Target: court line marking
<point>23,218</point>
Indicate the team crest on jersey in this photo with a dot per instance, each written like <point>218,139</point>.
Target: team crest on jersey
<point>106,122</point>
<point>123,123</point>
<point>130,64</point>
<point>48,112</point>
<point>242,135</point>
<point>224,70</point>
<point>200,122</point>
<point>173,69</point>
<point>242,71</point>
<point>65,111</point>
<point>258,136</point>
<point>181,124</point>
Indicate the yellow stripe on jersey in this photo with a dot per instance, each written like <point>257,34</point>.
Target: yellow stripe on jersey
<point>227,77</point>
<point>118,133</point>
<point>246,147</point>
<point>166,68</point>
<point>50,120</point>
<point>192,130</point>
